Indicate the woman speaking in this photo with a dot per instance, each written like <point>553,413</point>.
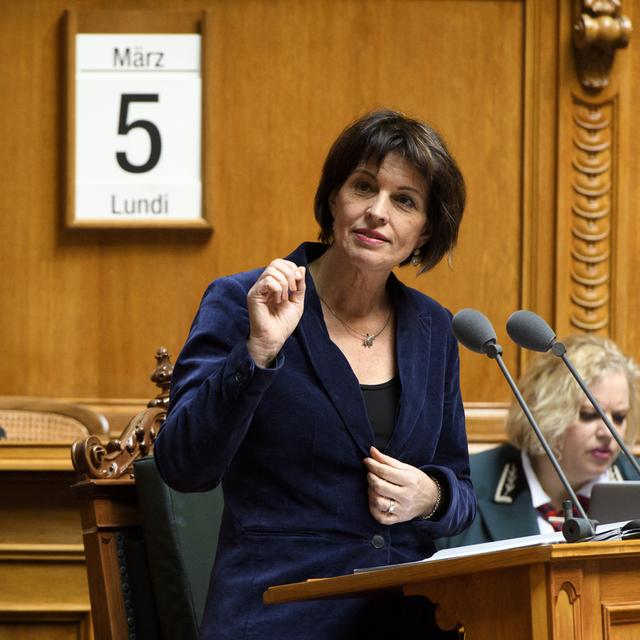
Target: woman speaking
<point>324,395</point>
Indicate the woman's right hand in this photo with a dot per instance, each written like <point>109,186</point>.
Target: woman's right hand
<point>275,303</point>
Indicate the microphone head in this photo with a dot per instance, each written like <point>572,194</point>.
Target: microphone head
<point>473,330</point>
<point>577,529</point>
<point>530,331</point>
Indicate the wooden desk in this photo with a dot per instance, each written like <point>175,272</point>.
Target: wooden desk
<point>44,592</point>
<point>587,591</point>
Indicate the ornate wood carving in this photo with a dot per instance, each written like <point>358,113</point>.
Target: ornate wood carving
<point>162,378</point>
<point>93,459</point>
<point>599,28</point>
<point>591,215</point>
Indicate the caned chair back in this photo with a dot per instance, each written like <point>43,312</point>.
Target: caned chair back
<point>33,419</point>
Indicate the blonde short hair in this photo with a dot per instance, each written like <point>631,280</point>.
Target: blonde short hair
<point>555,398</point>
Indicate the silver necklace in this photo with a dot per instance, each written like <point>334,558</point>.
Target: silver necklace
<point>367,338</point>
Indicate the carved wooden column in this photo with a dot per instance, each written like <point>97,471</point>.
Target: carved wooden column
<point>589,132</point>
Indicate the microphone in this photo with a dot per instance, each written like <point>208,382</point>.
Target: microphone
<point>530,331</point>
<point>475,331</point>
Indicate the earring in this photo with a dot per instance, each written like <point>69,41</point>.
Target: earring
<point>557,452</point>
<point>416,258</point>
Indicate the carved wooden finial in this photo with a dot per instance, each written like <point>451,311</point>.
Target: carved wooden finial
<point>162,377</point>
<point>93,459</point>
<point>599,28</point>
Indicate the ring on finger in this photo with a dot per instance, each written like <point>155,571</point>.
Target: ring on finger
<point>392,506</point>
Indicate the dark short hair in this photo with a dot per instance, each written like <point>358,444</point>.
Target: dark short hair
<point>370,139</point>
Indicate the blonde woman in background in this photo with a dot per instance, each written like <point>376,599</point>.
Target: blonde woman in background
<point>519,492</point>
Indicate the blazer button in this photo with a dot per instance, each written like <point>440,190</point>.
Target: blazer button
<point>239,377</point>
<point>377,541</point>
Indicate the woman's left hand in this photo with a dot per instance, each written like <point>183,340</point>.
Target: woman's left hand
<point>398,492</point>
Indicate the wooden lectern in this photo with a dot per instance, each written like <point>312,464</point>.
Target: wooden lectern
<point>586,591</point>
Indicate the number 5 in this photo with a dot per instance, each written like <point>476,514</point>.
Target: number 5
<point>149,127</point>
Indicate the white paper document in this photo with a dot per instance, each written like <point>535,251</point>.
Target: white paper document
<point>498,545</point>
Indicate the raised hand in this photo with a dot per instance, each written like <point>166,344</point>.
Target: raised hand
<point>398,492</point>
<point>275,303</point>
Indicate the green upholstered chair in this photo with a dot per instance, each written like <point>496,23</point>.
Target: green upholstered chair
<point>180,533</point>
<point>149,549</point>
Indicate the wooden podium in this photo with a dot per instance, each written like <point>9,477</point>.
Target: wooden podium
<point>586,591</point>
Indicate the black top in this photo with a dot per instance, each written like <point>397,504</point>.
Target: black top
<point>382,402</point>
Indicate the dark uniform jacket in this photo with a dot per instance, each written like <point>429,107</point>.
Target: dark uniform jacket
<point>288,445</point>
<point>504,500</point>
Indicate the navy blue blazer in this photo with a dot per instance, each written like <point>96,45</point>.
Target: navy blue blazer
<point>288,445</point>
<point>504,499</point>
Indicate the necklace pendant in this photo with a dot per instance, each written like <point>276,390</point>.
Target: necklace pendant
<point>367,341</point>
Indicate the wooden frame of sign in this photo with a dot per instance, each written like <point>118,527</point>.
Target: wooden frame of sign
<point>140,210</point>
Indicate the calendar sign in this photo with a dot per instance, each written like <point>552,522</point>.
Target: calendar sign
<point>138,128</point>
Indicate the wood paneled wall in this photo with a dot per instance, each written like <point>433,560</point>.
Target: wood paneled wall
<point>83,311</point>
<point>44,592</point>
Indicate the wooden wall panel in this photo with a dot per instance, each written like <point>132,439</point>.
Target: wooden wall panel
<point>45,626</point>
<point>43,580</point>
<point>626,308</point>
<point>83,311</point>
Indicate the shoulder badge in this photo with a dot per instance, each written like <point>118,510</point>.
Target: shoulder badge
<point>615,475</point>
<point>507,484</point>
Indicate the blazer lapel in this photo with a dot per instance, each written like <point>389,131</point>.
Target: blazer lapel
<point>334,371</point>
<point>413,348</point>
<point>413,339</point>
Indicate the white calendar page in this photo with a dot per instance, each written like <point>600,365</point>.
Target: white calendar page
<point>138,127</point>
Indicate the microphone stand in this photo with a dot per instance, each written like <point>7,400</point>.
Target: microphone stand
<point>574,529</point>
<point>558,349</point>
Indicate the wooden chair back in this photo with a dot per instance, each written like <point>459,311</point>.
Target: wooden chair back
<point>149,549</point>
<point>34,419</point>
